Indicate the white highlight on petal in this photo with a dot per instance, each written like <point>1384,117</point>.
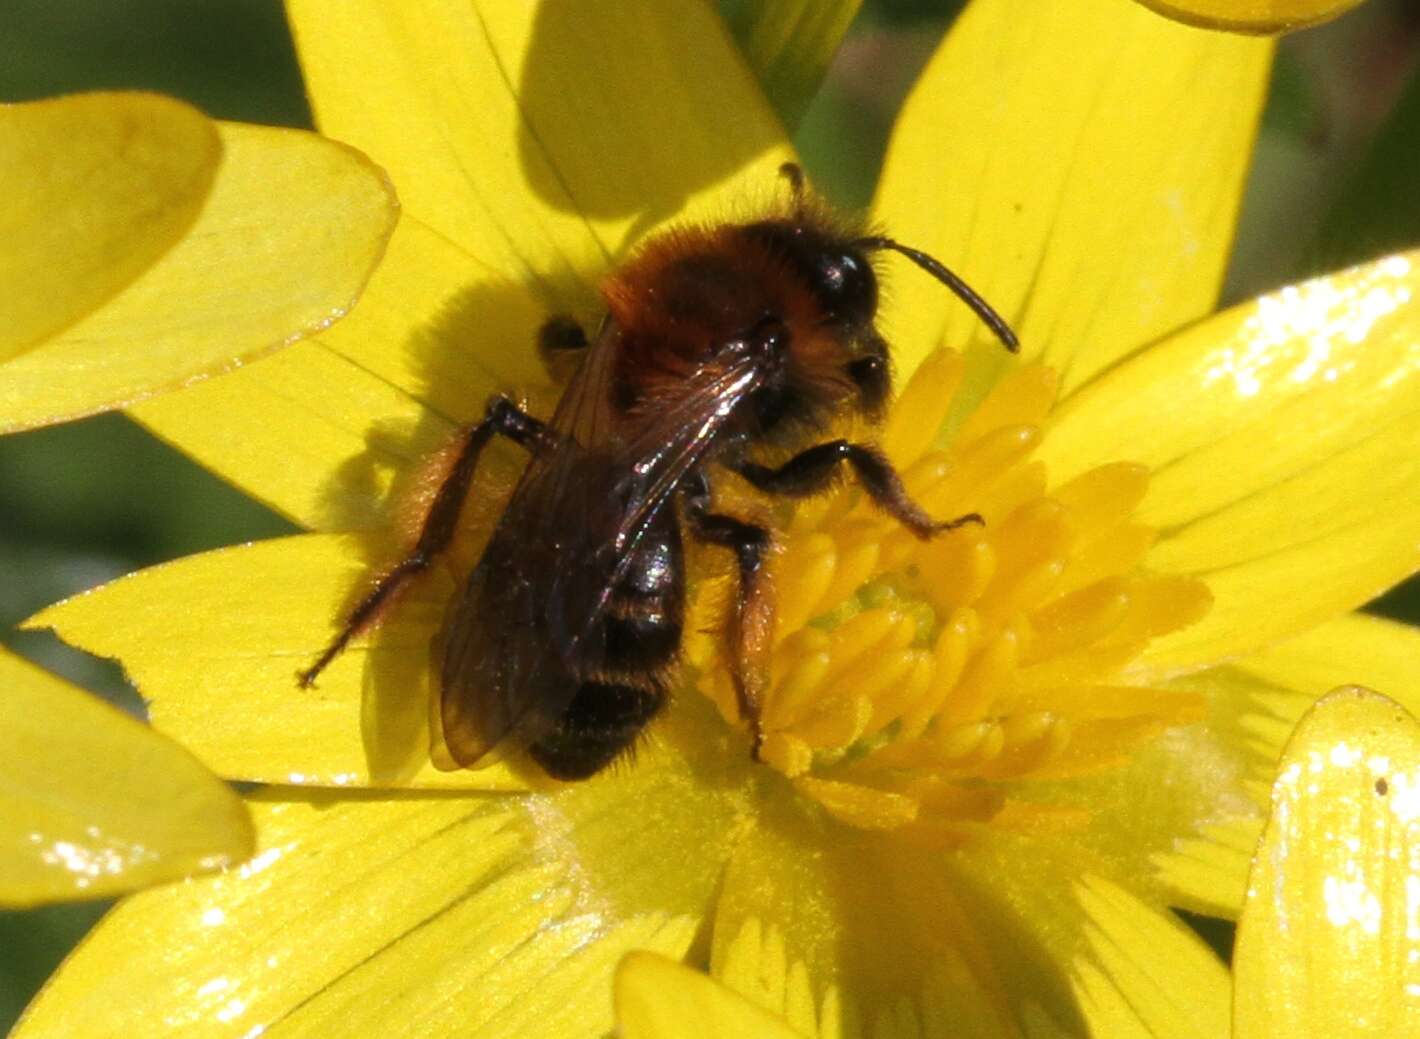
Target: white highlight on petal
<point>1301,326</point>
<point>259,863</point>
<point>1351,902</point>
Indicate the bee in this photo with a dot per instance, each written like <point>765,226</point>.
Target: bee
<point>716,340</point>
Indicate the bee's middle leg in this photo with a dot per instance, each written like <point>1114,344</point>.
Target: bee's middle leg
<point>751,631</point>
<point>813,469</point>
<point>503,418</point>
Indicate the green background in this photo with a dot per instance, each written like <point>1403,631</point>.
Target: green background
<point>1336,179</point>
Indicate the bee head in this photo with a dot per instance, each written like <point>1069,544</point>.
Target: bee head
<point>835,270</point>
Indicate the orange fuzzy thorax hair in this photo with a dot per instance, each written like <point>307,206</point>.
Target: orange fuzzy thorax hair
<point>690,290</point>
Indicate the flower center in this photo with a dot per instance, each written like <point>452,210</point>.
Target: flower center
<point>915,680</point>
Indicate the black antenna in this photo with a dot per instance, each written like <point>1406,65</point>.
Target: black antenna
<point>794,174</point>
<point>965,292</point>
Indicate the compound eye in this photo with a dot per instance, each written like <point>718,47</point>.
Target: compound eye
<point>847,288</point>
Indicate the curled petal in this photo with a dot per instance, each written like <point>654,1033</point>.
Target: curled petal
<point>96,188</point>
<point>93,803</point>
<point>1252,16</point>
<point>283,246</point>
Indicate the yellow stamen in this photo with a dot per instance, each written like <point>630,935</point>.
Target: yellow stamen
<point>912,682</point>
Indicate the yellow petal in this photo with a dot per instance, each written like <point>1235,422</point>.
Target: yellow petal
<point>1252,16</point>
<point>789,45</point>
<point>1200,843</point>
<point>93,803</point>
<point>550,132</point>
<point>1163,819</point>
<point>1327,945</point>
<point>1144,974</point>
<point>1090,195</point>
<point>239,623</point>
<point>292,229</point>
<point>1380,654</point>
<point>307,432</point>
<point>222,679</point>
<point>1208,873</point>
<point>1282,437</point>
<point>1254,396</point>
<point>369,399</point>
<point>839,931</point>
<point>1133,969</point>
<point>392,917</point>
<point>96,188</point>
<point>657,998</point>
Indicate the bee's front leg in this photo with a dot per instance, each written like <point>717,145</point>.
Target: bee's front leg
<point>814,469</point>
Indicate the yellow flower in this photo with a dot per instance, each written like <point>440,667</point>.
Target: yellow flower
<point>988,777</point>
<point>1252,16</point>
<point>144,246</point>
<point>1327,945</point>
<point>93,804</point>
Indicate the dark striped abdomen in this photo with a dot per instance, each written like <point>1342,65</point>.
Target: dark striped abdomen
<point>640,637</point>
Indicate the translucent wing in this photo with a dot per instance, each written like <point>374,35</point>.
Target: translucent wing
<point>526,630</point>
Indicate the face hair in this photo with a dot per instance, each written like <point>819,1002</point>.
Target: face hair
<point>964,292</point>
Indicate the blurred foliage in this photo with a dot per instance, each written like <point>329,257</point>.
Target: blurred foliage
<point>232,58</point>
<point>1376,211</point>
<point>1334,181</point>
<point>31,945</point>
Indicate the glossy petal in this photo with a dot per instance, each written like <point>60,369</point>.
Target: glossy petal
<point>1252,16</point>
<point>93,803</point>
<point>238,623</point>
<point>345,415</point>
<point>541,152</point>
<point>657,998</point>
<point>293,227</point>
<point>96,188</point>
<point>790,45</point>
<point>1281,434</point>
<point>402,916</point>
<point>1090,194</point>
<point>1328,945</point>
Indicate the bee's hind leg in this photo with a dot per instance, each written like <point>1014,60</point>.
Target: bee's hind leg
<point>503,418</point>
<point>751,631</point>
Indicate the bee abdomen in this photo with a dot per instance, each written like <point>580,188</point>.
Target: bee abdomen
<point>641,629</point>
<point>621,679</point>
<point>640,636</point>
<point>602,720</point>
